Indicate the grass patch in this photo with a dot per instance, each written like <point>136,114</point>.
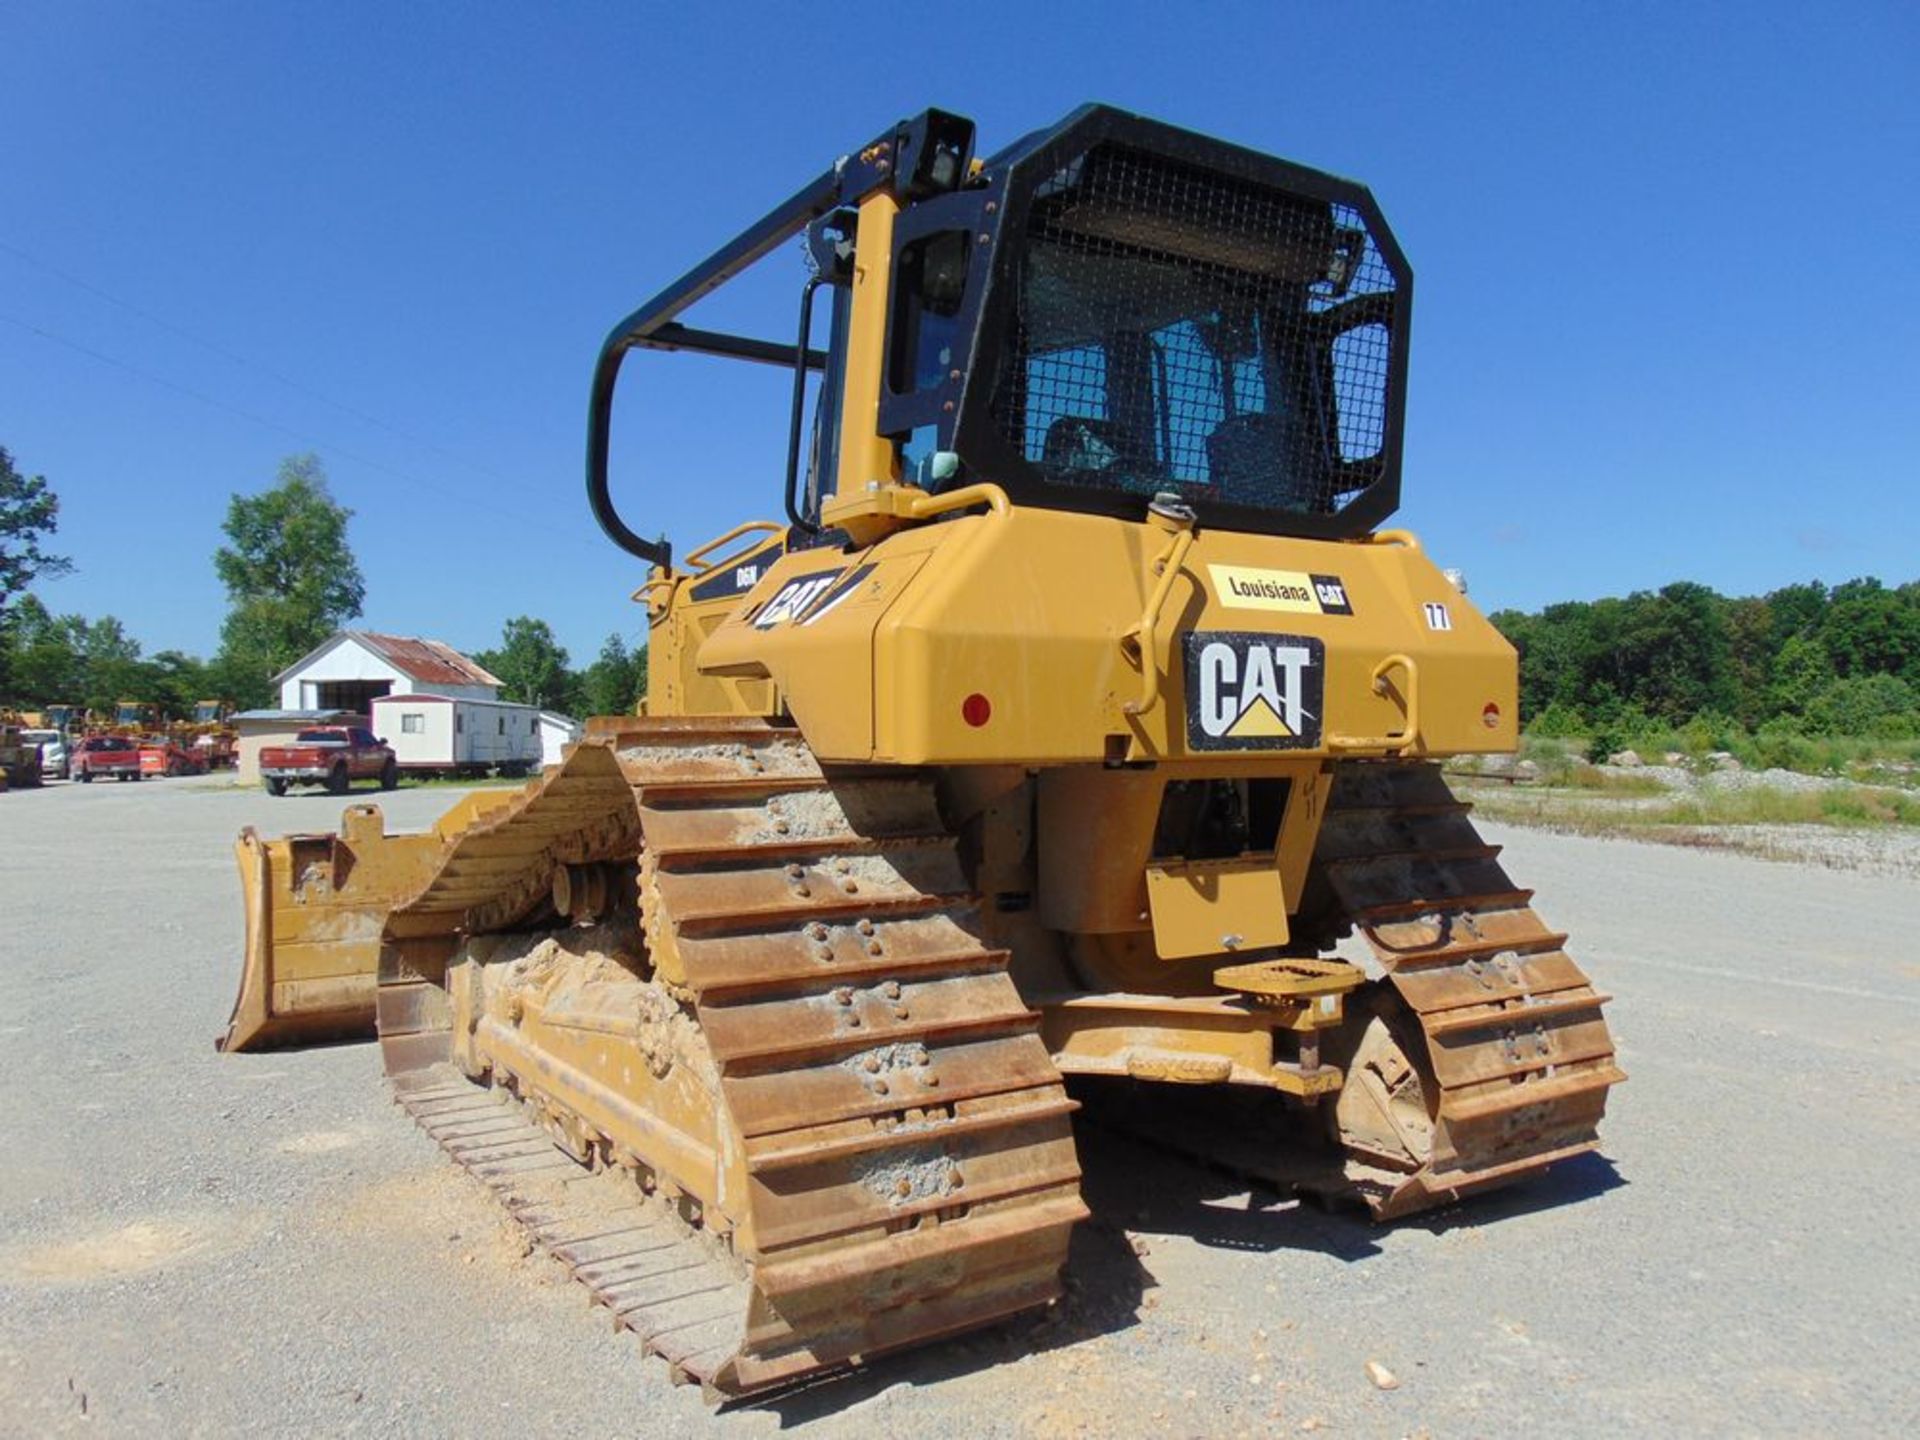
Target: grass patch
<point>1592,779</point>
<point>1843,807</point>
<point>490,782</point>
<point>1867,759</point>
<point>1557,767</point>
<point>1587,811</point>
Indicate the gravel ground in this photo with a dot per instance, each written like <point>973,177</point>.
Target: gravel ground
<point>192,1243</point>
<point>1877,850</point>
<point>1676,777</point>
<point>1885,850</point>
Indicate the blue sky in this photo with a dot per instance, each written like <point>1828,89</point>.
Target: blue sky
<point>1665,322</point>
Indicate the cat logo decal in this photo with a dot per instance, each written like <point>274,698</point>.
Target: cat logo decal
<point>1248,690</point>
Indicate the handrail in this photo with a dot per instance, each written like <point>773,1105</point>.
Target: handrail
<point>1404,538</point>
<point>697,559</point>
<point>606,372</point>
<point>984,493</point>
<point>1404,739</point>
<point>1139,640</point>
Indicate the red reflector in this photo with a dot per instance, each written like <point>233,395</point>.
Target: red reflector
<point>976,710</point>
<point>1490,717</point>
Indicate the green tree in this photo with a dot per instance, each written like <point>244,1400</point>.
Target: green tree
<point>177,681</point>
<point>531,664</point>
<point>1682,652</point>
<point>1801,673</point>
<point>1878,705</point>
<point>245,681</point>
<point>1796,610</point>
<point>611,684</point>
<point>290,575</point>
<point>1870,630</point>
<point>1750,650</point>
<point>1565,656</point>
<point>1798,659</point>
<point>39,663</point>
<point>110,664</point>
<point>29,512</point>
<point>68,659</point>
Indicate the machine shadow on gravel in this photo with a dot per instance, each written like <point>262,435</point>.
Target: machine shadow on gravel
<point>1131,1186</point>
<point>1170,1170</point>
<point>1571,1182</point>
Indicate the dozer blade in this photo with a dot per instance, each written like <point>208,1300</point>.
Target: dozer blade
<point>316,908</point>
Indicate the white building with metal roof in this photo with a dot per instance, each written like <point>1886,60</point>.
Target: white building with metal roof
<point>356,667</point>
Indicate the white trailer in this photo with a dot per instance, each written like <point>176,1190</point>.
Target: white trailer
<point>448,735</point>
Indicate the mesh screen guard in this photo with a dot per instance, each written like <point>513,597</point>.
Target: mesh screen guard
<point>1232,332</point>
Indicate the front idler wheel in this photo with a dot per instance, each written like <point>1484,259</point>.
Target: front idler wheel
<point>1388,1106</point>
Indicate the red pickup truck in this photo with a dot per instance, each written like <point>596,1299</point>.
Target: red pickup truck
<point>105,755</point>
<point>162,756</point>
<point>330,755</point>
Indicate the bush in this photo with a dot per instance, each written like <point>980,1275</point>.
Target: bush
<point>1604,741</point>
<point>1559,722</point>
<point>1545,749</point>
<point>1626,728</point>
<point>1781,746</point>
<point>1880,706</point>
<point>1710,731</point>
<point>1559,760</point>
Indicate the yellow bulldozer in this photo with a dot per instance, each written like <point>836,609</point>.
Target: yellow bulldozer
<point>1075,729</point>
<point>19,758</point>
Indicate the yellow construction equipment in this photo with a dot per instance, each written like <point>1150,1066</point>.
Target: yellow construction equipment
<point>19,758</point>
<point>1077,724</point>
<point>136,717</point>
<point>210,735</point>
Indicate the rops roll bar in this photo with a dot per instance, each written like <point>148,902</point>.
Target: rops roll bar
<point>923,156</point>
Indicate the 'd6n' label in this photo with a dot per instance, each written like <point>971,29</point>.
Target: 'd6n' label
<point>1250,690</point>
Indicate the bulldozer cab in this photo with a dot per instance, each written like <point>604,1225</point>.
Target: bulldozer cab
<point>1104,312</point>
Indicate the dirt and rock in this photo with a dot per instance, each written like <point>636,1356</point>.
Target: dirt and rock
<point>264,1244</point>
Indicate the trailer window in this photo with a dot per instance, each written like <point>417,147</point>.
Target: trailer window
<point>503,724</point>
<point>413,722</point>
<point>459,723</point>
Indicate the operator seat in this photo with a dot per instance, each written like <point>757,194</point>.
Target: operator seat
<point>1081,447</point>
<point>1256,458</point>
